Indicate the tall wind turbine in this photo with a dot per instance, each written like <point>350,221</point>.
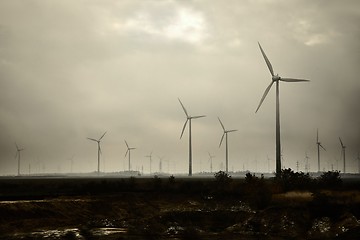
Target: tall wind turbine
<point>226,143</point>
<point>188,119</point>
<point>128,151</point>
<point>343,152</point>
<point>358,157</point>
<point>318,148</point>
<point>17,155</point>
<point>99,149</point>
<point>211,162</point>
<point>149,156</point>
<point>276,78</point>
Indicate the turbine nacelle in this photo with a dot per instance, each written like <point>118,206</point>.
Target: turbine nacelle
<point>276,78</point>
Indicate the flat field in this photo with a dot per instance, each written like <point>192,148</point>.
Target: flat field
<point>175,208</point>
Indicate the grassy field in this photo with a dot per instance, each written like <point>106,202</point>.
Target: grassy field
<point>289,207</point>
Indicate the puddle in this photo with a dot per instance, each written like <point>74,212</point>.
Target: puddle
<point>108,231</point>
<point>70,232</point>
<point>44,201</point>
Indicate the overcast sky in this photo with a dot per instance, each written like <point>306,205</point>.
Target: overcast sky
<point>75,69</point>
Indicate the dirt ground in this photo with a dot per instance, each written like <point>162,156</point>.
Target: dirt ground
<point>155,214</point>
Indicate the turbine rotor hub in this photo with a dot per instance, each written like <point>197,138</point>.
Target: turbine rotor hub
<point>276,78</point>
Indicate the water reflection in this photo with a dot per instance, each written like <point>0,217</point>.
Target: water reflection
<point>74,233</point>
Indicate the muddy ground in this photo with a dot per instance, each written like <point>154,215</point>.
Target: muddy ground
<point>153,210</point>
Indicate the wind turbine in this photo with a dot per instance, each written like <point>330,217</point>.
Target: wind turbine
<point>226,143</point>
<point>150,156</point>
<point>343,152</point>
<point>276,78</point>
<point>188,119</point>
<point>99,149</point>
<point>307,162</point>
<point>160,163</point>
<point>211,163</point>
<point>358,157</point>
<point>318,148</point>
<point>71,162</point>
<point>17,155</point>
<point>128,151</point>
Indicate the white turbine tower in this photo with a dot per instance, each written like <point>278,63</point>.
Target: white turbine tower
<point>150,158</point>
<point>226,144</point>
<point>188,119</point>
<point>128,151</point>
<point>17,155</point>
<point>276,78</point>
<point>343,153</point>
<point>99,149</point>
<point>318,148</point>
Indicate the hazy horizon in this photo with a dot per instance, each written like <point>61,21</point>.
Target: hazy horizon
<point>71,70</point>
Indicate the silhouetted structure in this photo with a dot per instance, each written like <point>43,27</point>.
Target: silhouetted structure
<point>318,148</point>
<point>343,153</point>
<point>276,78</point>
<point>99,149</point>
<point>150,158</point>
<point>226,143</point>
<point>211,163</point>
<point>18,150</point>
<point>128,151</point>
<point>188,119</point>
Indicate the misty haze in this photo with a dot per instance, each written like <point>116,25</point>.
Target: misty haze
<point>179,119</point>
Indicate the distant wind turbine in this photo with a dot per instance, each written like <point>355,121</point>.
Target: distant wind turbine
<point>160,163</point>
<point>226,143</point>
<point>211,162</point>
<point>99,149</point>
<point>306,162</point>
<point>150,156</point>
<point>128,151</point>
<point>343,152</point>
<point>188,119</point>
<point>318,148</point>
<point>276,78</point>
<point>71,163</point>
<point>358,157</point>
<point>17,155</point>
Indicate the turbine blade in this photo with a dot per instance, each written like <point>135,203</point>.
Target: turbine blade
<point>126,144</point>
<point>126,152</point>
<point>100,150</point>
<point>102,136</point>
<point>267,60</point>
<point>293,80</point>
<point>222,125</point>
<point>231,130</point>
<point>264,95</point>
<point>184,128</point>
<point>17,147</point>
<point>182,105</point>
<point>198,116</point>
<point>342,145</point>
<point>222,138</point>
<point>92,139</point>
<point>322,147</point>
